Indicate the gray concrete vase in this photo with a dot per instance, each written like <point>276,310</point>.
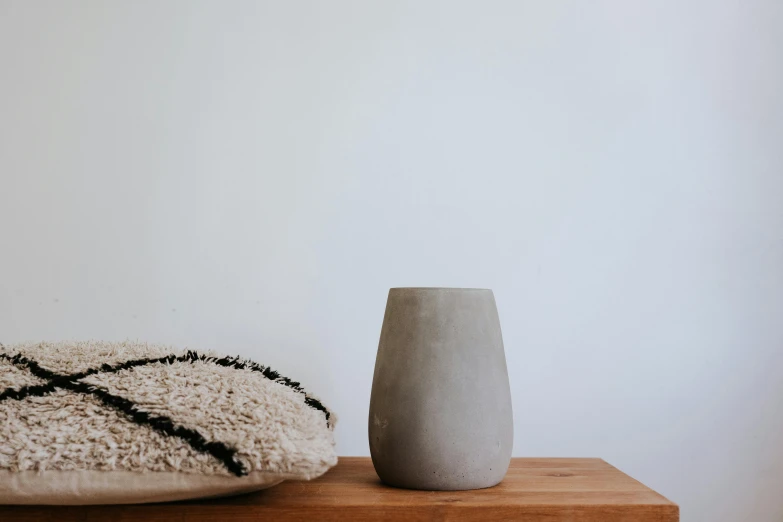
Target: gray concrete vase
<point>440,410</point>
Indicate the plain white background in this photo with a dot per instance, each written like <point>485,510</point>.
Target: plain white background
<point>252,177</point>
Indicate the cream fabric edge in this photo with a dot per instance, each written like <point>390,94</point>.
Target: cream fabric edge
<point>125,487</point>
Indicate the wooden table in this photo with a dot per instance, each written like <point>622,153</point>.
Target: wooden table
<point>551,490</point>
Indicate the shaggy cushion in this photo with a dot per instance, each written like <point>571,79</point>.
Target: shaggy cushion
<point>99,423</point>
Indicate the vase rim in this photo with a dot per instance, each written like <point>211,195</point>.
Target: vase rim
<point>439,288</point>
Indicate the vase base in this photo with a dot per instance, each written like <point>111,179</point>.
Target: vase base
<point>440,487</point>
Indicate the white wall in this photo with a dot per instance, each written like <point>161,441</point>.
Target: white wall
<point>254,176</point>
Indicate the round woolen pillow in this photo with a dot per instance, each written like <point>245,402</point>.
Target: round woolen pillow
<point>105,423</point>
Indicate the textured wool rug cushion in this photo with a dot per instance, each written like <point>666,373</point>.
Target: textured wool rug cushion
<point>105,423</point>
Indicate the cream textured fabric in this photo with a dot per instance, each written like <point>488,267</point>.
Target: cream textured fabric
<point>124,487</point>
<point>130,422</point>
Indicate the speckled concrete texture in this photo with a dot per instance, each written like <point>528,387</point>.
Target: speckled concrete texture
<point>440,411</point>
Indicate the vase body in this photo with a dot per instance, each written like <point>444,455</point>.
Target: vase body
<point>440,410</point>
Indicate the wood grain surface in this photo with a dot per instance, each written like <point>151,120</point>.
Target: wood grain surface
<point>551,490</point>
